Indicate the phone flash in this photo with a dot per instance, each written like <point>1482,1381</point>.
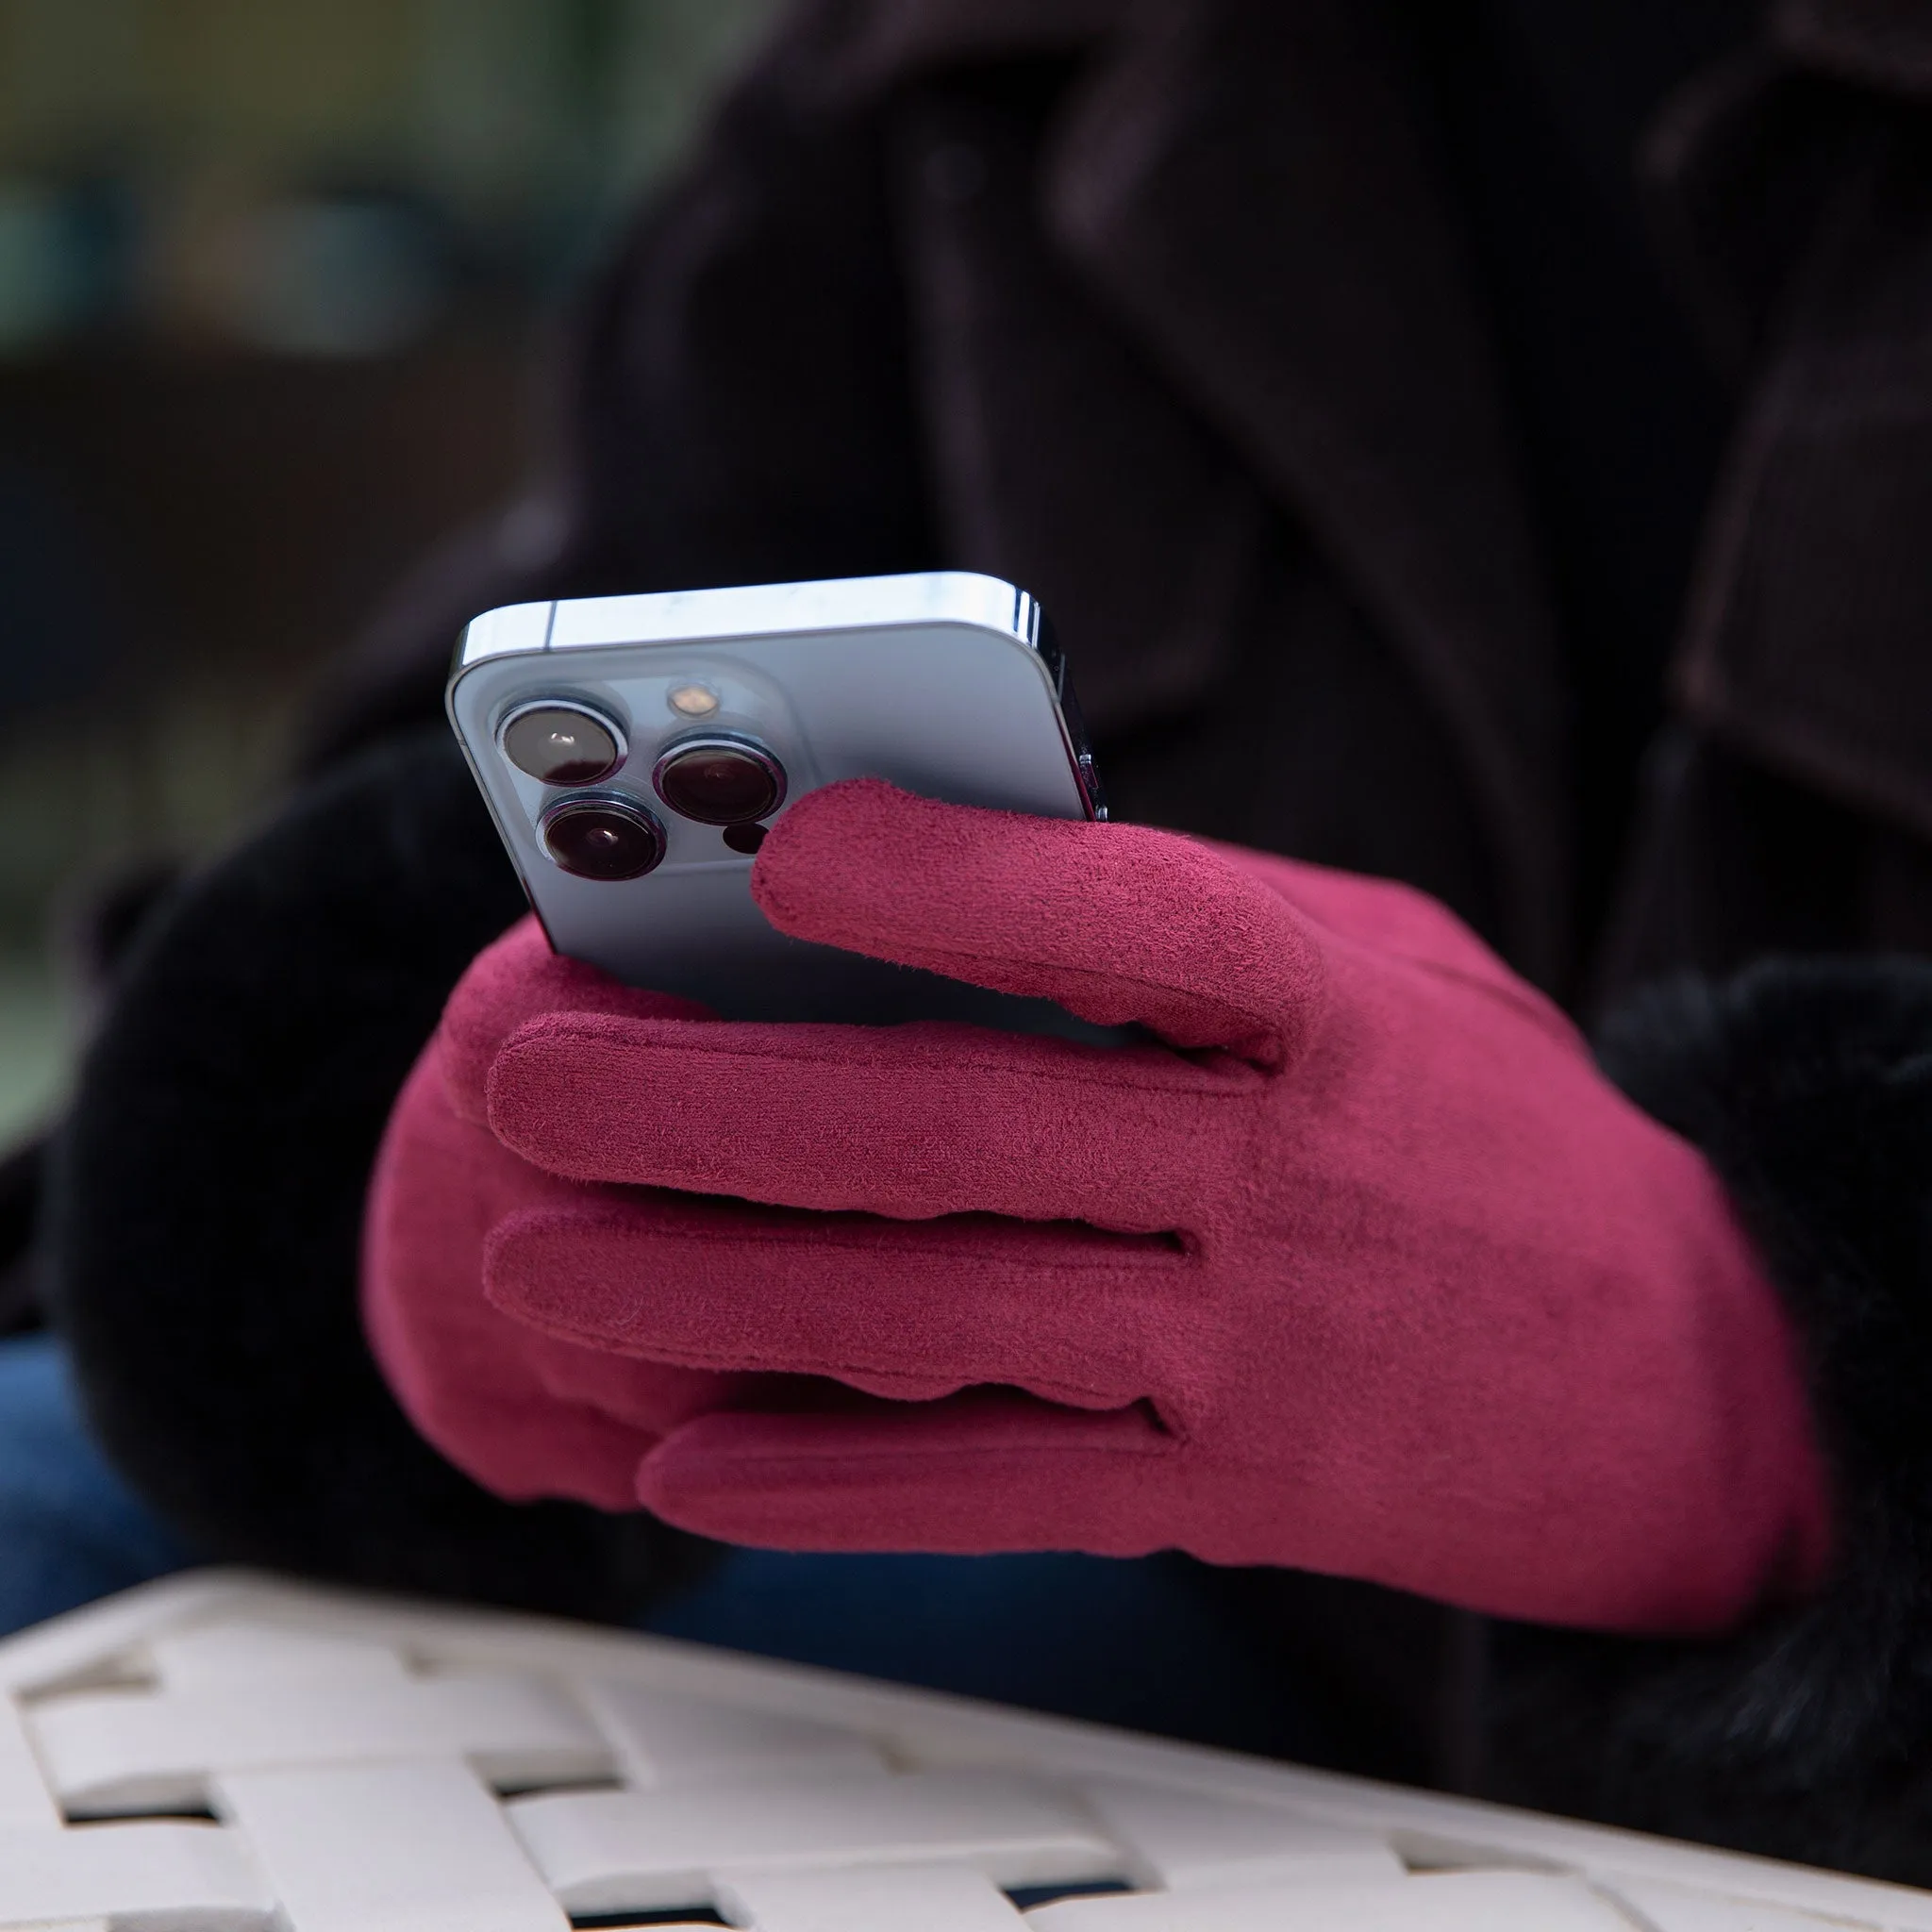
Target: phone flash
<point>692,700</point>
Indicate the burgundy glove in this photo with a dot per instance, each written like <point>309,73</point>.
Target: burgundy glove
<point>1367,1270</point>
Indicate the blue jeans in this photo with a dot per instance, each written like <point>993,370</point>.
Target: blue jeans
<point>1145,1643</point>
<point>70,1529</point>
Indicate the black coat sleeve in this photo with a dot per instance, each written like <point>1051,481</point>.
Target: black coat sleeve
<point>205,1202</point>
<point>1808,1735</point>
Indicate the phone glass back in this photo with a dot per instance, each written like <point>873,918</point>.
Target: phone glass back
<point>941,683</point>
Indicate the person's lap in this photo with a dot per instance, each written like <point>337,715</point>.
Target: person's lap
<point>1139,1643</point>
<point>71,1530</point>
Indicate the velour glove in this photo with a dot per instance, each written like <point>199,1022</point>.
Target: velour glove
<point>1357,1266</point>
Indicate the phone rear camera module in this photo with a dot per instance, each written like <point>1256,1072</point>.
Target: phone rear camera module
<point>606,838</point>
<point>720,781</point>
<point>562,744</point>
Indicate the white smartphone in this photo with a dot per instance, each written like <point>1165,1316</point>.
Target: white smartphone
<point>634,751</point>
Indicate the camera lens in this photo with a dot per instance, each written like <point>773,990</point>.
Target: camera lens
<point>720,781</point>
<point>562,744</point>
<point>602,838</point>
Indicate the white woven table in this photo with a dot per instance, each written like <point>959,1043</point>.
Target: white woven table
<point>222,1753</point>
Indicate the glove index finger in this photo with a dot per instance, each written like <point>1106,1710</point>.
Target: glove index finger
<point>1119,924</point>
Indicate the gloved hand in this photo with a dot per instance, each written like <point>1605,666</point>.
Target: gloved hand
<point>1366,1270</point>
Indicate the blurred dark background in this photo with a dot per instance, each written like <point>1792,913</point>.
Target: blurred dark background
<point>274,279</point>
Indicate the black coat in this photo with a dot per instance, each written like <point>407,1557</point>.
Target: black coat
<point>1163,308</point>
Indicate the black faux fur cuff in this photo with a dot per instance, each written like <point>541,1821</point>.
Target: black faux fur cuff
<point>1807,1735</point>
<point>206,1197</point>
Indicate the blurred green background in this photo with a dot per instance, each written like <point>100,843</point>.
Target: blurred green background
<point>274,276</point>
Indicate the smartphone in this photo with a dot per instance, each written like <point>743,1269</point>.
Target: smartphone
<point>634,752</point>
